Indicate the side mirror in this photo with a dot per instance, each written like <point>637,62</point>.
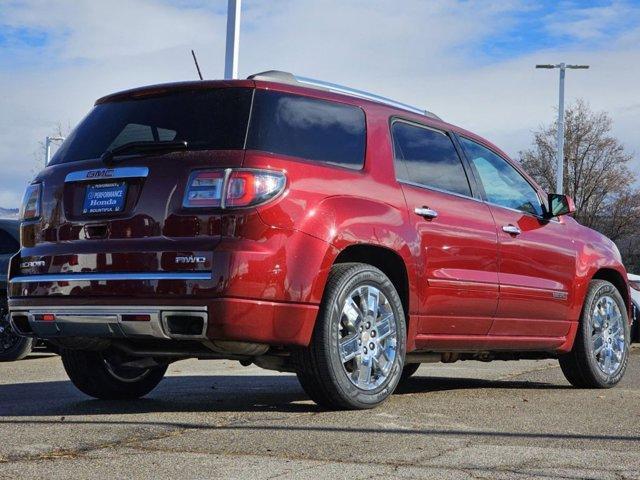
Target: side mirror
<point>560,205</point>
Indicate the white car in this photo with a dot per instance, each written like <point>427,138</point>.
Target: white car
<point>634,283</point>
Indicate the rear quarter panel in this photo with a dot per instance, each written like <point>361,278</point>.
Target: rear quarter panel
<point>343,206</point>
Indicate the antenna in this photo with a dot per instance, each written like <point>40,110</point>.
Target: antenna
<point>193,54</point>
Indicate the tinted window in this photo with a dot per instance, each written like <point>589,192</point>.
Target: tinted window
<point>428,157</point>
<point>307,128</point>
<point>502,183</point>
<point>206,119</point>
<point>7,244</point>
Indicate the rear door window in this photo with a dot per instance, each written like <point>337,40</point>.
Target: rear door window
<point>428,157</point>
<point>308,128</point>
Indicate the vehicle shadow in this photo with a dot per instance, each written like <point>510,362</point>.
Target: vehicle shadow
<point>225,393</point>
<point>419,384</point>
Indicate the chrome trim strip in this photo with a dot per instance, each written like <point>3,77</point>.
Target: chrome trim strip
<point>225,185</point>
<point>109,308</point>
<point>434,189</point>
<point>106,173</point>
<point>97,277</point>
<point>528,214</point>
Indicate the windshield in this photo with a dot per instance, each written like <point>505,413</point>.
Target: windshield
<point>205,119</point>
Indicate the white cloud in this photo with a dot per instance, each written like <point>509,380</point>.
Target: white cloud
<point>419,52</point>
<point>102,30</point>
<point>587,23</point>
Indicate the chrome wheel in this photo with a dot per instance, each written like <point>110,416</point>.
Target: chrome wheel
<point>367,337</point>
<point>608,335</point>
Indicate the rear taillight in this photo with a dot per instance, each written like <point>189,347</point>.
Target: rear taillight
<point>253,187</point>
<point>31,202</point>
<point>232,188</point>
<point>204,189</point>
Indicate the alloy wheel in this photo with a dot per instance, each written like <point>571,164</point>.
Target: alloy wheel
<point>367,337</point>
<point>608,335</point>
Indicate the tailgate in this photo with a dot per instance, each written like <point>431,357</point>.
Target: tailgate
<point>121,230</point>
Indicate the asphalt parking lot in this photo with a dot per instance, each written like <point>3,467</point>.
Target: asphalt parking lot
<point>221,420</point>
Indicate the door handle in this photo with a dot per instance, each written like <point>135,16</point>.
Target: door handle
<point>425,212</point>
<point>511,230</point>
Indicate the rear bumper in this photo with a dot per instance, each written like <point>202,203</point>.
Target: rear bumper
<point>272,323</point>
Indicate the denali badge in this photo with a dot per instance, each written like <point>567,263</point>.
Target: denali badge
<point>190,259</point>
<point>37,263</point>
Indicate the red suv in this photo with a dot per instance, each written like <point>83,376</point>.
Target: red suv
<point>308,228</point>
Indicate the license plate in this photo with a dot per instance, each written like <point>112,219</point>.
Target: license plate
<point>105,198</point>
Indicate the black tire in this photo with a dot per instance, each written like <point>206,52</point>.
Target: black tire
<point>92,373</point>
<point>319,367</point>
<point>580,366</point>
<point>12,346</point>
<point>409,370</point>
<point>18,350</point>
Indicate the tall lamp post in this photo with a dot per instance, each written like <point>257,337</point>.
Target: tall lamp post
<point>47,147</point>
<point>560,153</point>
<point>234,9</point>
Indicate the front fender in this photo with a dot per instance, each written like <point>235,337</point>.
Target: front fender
<point>596,254</point>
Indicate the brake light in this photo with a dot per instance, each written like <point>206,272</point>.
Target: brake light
<point>253,187</point>
<point>232,188</point>
<point>31,202</point>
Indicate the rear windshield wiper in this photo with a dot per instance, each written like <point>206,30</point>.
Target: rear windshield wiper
<point>143,147</point>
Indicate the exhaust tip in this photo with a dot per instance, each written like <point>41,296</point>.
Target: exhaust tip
<point>21,324</point>
<point>186,324</point>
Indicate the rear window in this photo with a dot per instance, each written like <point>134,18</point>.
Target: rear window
<point>206,119</point>
<point>308,128</point>
<point>218,119</point>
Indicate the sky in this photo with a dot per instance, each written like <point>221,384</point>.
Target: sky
<point>471,62</point>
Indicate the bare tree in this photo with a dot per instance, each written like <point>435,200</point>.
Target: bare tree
<point>38,155</point>
<point>596,172</point>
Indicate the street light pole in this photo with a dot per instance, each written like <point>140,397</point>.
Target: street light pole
<point>47,147</point>
<point>560,154</point>
<point>560,133</point>
<point>233,39</point>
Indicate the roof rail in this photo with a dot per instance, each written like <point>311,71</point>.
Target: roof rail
<point>286,77</point>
